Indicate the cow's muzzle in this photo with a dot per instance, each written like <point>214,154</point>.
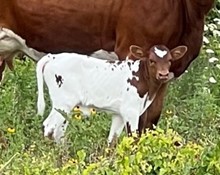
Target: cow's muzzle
<point>163,76</point>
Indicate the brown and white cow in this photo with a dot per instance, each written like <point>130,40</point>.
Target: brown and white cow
<point>86,26</point>
<point>73,79</point>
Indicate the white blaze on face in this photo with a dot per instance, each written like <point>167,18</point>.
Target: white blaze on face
<point>160,53</point>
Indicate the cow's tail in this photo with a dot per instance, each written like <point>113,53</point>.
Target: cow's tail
<point>40,83</point>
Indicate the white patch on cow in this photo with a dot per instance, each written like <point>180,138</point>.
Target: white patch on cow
<point>160,53</point>
<point>135,66</point>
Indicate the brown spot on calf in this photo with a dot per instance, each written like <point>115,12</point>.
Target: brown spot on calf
<point>59,80</point>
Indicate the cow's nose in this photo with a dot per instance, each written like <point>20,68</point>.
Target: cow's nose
<point>163,76</point>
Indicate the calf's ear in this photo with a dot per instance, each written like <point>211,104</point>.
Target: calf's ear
<point>178,52</point>
<point>136,51</point>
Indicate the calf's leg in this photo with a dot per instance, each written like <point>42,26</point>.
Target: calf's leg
<point>116,128</point>
<point>60,131</point>
<point>131,123</point>
<point>55,125</point>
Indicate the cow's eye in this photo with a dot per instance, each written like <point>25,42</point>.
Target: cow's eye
<point>152,62</point>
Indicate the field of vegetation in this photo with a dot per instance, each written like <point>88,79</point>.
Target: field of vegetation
<point>191,118</point>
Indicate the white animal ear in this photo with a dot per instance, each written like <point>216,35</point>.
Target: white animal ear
<point>136,51</point>
<point>178,52</point>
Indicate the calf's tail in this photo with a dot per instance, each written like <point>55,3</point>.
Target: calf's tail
<point>40,83</point>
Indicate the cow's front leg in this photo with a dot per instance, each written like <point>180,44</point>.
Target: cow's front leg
<point>130,117</point>
<point>116,128</point>
<point>132,125</point>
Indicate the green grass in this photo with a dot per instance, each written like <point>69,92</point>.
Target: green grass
<point>192,109</point>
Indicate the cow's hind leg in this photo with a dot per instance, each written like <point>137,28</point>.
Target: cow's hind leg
<point>55,125</point>
<point>59,131</point>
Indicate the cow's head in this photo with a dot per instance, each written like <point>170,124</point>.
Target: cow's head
<point>158,59</point>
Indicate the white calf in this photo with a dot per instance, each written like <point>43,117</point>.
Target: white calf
<point>125,88</point>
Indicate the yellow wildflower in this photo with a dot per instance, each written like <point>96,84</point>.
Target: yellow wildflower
<point>32,147</point>
<point>93,111</point>
<point>11,130</point>
<point>108,150</point>
<point>169,112</point>
<point>76,109</point>
<point>78,116</point>
<point>70,163</point>
<point>100,157</point>
<point>73,161</point>
<point>26,154</point>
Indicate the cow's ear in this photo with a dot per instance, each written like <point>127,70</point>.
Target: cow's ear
<point>136,51</point>
<point>178,52</point>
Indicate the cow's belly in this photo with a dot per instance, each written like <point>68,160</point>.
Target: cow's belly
<point>75,91</point>
<point>66,25</point>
